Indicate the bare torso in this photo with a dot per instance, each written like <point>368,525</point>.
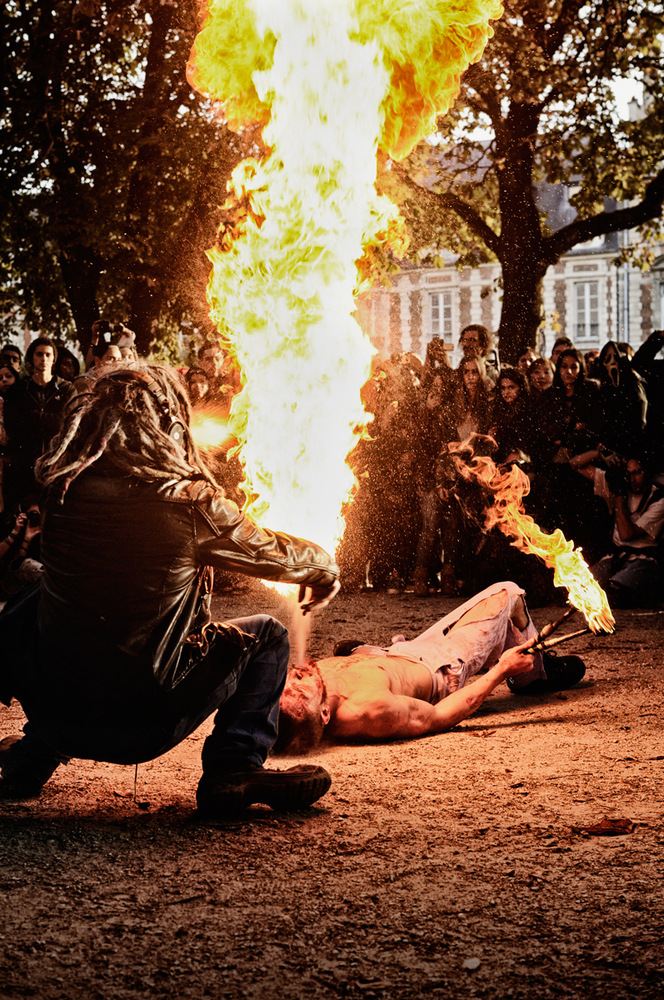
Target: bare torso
<point>357,683</point>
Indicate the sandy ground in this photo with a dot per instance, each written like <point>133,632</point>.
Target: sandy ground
<point>452,866</point>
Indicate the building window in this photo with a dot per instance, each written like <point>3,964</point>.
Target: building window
<point>441,315</point>
<point>587,311</point>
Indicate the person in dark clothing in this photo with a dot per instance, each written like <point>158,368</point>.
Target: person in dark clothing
<point>116,658</point>
<point>651,368</point>
<point>631,569</point>
<point>620,413</point>
<point>509,416</point>
<point>560,498</point>
<point>12,355</point>
<point>67,367</point>
<point>33,415</point>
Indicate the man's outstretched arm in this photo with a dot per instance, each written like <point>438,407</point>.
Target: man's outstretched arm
<point>400,717</point>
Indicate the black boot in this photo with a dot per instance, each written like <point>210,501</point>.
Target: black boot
<point>26,765</point>
<point>562,672</point>
<point>221,795</point>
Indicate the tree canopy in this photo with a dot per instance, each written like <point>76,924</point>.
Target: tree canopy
<point>540,106</point>
<point>112,168</point>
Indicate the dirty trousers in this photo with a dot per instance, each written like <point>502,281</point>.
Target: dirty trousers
<point>453,652</point>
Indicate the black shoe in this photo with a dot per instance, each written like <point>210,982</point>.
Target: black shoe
<point>24,773</point>
<point>562,672</point>
<point>220,795</point>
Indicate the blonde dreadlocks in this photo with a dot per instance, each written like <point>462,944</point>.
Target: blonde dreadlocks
<point>115,415</point>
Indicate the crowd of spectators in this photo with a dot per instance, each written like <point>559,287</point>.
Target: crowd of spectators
<point>585,429</point>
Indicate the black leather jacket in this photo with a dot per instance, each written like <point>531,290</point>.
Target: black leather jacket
<point>127,580</point>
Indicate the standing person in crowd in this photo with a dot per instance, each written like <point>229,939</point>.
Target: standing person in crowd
<point>33,415</point>
<point>571,405</point>
<point>526,360</point>
<point>432,427</point>
<point>20,558</point>
<point>621,409</point>
<point>106,355</point>
<point>651,368</point>
<point>125,339</point>
<point>8,378</point>
<point>12,355</point>
<point>471,402</point>
<point>436,361</point>
<point>222,373</point>
<point>67,367</point>
<point>509,417</point>
<point>573,401</point>
<point>125,662</point>
<point>542,433</point>
<point>560,344</point>
<point>475,342</point>
<point>631,571</point>
<point>198,386</point>
<point>591,358</point>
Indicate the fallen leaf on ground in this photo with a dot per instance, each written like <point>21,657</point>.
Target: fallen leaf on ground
<point>607,828</point>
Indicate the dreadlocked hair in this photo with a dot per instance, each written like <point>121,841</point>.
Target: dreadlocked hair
<point>116,415</point>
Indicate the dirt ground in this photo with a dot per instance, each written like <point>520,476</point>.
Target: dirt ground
<point>453,866</point>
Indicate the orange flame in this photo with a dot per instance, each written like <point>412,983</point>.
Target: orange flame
<point>210,429</point>
<point>332,84</point>
<point>570,569</point>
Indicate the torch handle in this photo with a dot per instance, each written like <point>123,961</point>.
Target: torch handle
<point>542,644</point>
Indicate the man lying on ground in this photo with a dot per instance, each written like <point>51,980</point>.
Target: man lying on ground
<point>418,687</point>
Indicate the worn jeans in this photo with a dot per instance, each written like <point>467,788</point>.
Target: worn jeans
<point>639,574</point>
<point>454,651</point>
<point>245,697</point>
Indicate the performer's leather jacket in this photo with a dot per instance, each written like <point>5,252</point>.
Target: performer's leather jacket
<point>126,592</point>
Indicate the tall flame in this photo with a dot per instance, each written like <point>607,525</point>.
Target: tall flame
<point>570,569</point>
<point>333,84</point>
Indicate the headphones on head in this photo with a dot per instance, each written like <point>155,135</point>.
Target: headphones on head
<point>172,423</point>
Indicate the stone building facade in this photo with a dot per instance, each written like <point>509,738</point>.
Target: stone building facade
<point>587,298</point>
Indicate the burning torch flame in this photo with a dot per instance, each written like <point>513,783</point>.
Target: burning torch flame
<point>333,84</point>
<point>570,569</point>
<point>210,430</point>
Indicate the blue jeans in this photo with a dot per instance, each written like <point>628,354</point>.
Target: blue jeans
<point>245,694</point>
<point>641,575</point>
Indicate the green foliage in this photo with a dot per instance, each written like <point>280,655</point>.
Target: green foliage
<point>540,106</point>
<point>112,169</point>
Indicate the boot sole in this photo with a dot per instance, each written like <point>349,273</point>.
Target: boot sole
<point>298,792</point>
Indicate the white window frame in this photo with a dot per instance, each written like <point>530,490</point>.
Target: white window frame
<point>441,314</point>
<point>587,313</point>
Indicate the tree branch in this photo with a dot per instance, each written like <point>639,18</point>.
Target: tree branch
<point>452,202</point>
<point>582,230</point>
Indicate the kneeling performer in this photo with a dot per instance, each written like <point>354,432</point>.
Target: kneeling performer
<point>116,659</point>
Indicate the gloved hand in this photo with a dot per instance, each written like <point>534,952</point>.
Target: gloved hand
<point>317,596</point>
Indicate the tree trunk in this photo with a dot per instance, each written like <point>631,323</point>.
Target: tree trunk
<point>522,312</point>
<point>144,302</point>
<point>81,270</point>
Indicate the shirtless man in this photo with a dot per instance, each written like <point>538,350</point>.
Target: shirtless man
<point>417,687</point>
